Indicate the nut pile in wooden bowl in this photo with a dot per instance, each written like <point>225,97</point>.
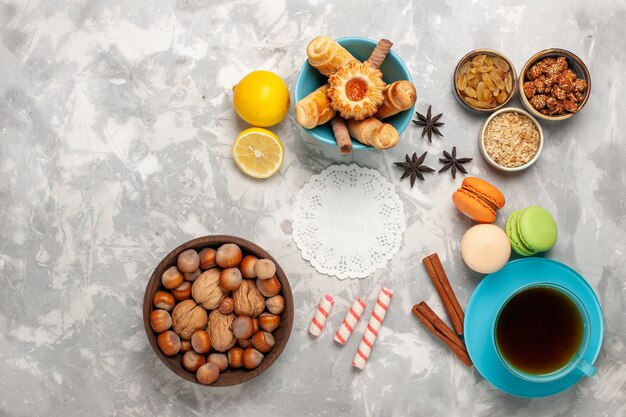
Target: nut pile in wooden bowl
<point>217,310</point>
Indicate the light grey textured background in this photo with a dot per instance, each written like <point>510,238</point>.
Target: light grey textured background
<point>115,132</point>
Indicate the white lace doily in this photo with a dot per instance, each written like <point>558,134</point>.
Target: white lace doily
<point>348,221</point>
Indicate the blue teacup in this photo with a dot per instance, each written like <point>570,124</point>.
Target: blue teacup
<point>576,360</point>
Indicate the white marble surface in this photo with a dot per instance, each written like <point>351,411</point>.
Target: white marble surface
<point>115,135</point>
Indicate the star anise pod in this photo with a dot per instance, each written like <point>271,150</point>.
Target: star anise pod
<point>430,124</point>
<point>413,167</point>
<point>451,161</point>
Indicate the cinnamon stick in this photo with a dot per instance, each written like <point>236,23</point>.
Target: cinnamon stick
<point>441,273</point>
<point>459,352</point>
<point>432,317</point>
<point>453,315</point>
<point>380,53</point>
<point>341,135</point>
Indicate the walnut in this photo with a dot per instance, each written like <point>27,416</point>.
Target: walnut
<point>206,290</point>
<point>248,299</point>
<point>187,317</point>
<point>221,330</point>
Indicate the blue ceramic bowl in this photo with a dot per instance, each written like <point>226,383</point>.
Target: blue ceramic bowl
<point>393,69</point>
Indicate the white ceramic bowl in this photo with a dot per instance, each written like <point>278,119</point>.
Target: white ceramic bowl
<point>493,163</point>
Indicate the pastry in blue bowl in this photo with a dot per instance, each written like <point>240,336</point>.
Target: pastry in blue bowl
<point>354,86</point>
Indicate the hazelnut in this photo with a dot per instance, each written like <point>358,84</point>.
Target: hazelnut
<point>160,320</point>
<point>169,343</point>
<point>185,345</point>
<point>192,276</point>
<point>268,287</point>
<point>235,357</point>
<point>182,292</point>
<point>255,325</point>
<point>248,299</point>
<point>207,258</point>
<point>275,304</point>
<point>220,359</point>
<point>206,290</point>
<point>264,269</point>
<point>200,341</point>
<point>269,322</point>
<point>242,327</point>
<point>228,255</point>
<point>193,360</point>
<point>188,261</point>
<point>187,317</point>
<point>208,373</point>
<point>247,266</point>
<point>221,330</point>
<point>171,278</point>
<point>252,358</point>
<point>227,305</point>
<point>263,341</point>
<point>230,279</point>
<point>244,343</point>
<point>164,300</point>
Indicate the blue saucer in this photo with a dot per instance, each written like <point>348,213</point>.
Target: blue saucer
<point>482,311</point>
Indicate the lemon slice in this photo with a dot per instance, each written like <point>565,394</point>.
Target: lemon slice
<point>258,152</point>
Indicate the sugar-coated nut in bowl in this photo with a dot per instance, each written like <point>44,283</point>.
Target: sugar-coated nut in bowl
<point>227,375</point>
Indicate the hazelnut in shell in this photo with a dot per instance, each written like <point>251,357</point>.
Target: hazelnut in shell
<point>207,258</point>
<point>230,279</point>
<point>188,261</point>
<point>187,317</point>
<point>172,278</point>
<point>185,345</point>
<point>235,357</point>
<point>263,341</point>
<point>164,300</point>
<point>247,266</point>
<point>248,299</point>
<point>182,292</point>
<point>252,358</point>
<point>193,360</point>
<point>269,322</point>
<point>244,343</point>
<point>207,291</point>
<point>264,269</point>
<point>160,320</point>
<point>221,330</point>
<point>255,325</point>
<point>192,276</point>
<point>243,327</point>
<point>275,304</point>
<point>227,305</point>
<point>208,373</point>
<point>268,287</point>
<point>201,341</point>
<point>169,343</point>
<point>220,359</point>
<point>228,255</point>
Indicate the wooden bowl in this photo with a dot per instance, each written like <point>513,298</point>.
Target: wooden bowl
<point>468,57</point>
<point>574,63</point>
<point>281,334</point>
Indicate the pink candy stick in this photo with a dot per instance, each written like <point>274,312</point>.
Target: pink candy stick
<point>321,314</point>
<point>374,325</point>
<point>352,318</point>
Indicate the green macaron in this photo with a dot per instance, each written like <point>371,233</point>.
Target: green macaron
<point>537,229</point>
<point>511,230</point>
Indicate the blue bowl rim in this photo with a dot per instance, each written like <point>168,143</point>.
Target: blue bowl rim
<point>356,144</point>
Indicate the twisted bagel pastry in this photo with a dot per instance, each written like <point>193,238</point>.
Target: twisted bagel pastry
<point>327,55</point>
<point>356,90</point>
<point>314,109</point>
<point>373,132</point>
<point>399,96</point>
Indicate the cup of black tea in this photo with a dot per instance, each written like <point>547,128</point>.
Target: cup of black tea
<point>542,333</point>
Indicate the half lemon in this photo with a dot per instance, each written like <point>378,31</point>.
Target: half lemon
<point>258,152</point>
